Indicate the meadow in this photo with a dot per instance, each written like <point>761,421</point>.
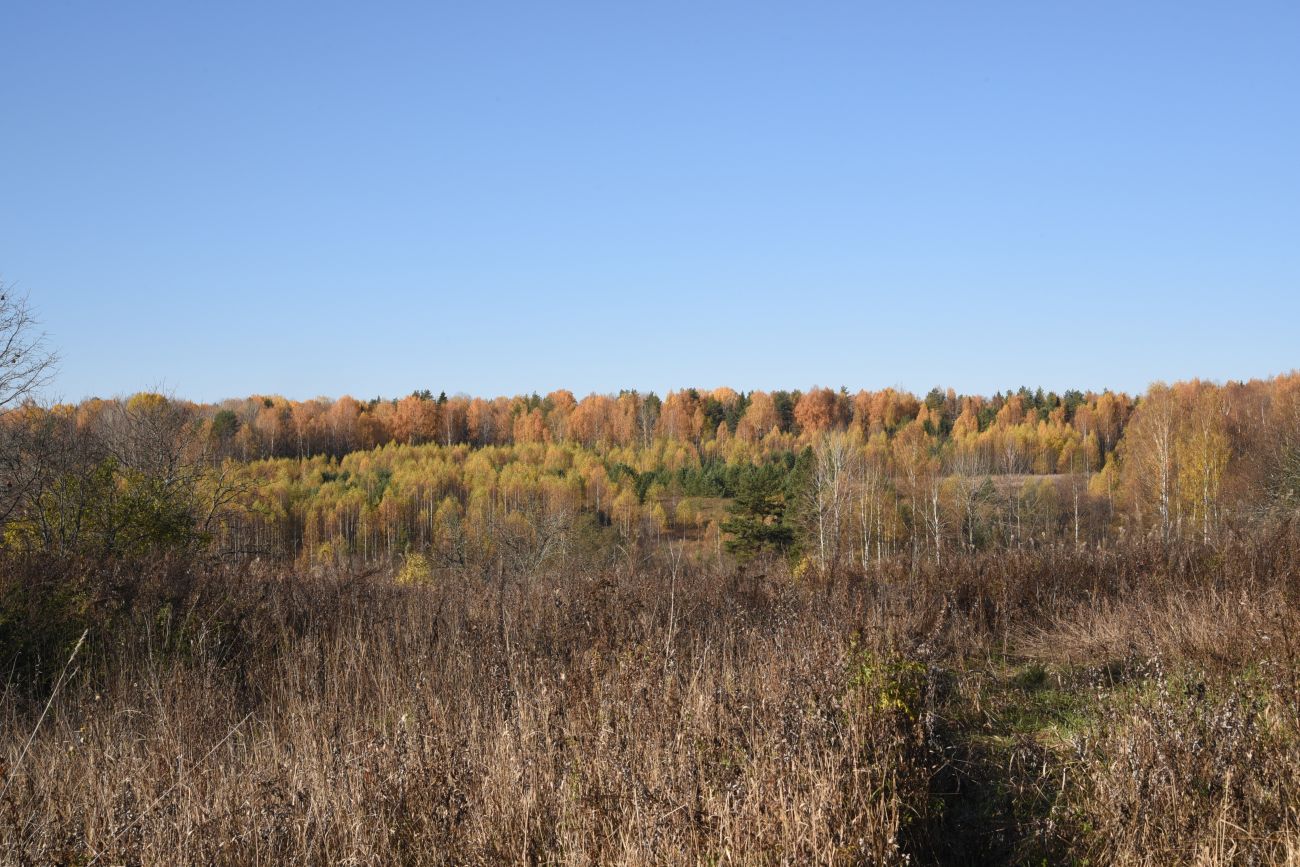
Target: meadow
<point>836,648</point>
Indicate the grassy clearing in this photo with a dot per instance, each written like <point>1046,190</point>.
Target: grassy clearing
<point>671,712</point>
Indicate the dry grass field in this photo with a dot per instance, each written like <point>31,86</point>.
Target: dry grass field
<point>1056,706</point>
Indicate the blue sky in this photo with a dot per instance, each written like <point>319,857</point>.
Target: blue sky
<point>498,198</point>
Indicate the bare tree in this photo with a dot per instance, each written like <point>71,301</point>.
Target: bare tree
<point>968,469</point>
<point>827,498</point>
<point>872,474</point>
<point>26,451</point>
<point>1150,451</point>
<point>26,363</point>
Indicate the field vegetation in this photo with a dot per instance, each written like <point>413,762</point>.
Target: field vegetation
<point>720,628</point>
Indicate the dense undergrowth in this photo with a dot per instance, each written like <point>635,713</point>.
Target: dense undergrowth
<point>1134,706</point>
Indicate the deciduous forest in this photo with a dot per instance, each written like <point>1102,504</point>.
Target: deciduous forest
<point>822,626</point>
<point>851,481</point>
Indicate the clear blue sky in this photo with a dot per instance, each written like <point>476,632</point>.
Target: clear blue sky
<point>316,198</point>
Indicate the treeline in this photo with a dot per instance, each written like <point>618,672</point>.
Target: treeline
<point>833,481</point>
<point>1043,426</point>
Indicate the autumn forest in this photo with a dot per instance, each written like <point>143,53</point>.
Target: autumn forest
<point>860,478</point>
<point>815,626</point>
<point>620,434</point>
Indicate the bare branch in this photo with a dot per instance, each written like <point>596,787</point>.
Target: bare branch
<point>26,363</point>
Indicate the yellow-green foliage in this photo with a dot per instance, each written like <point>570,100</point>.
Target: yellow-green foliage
<point>880,685</point>
<point>416,569</point>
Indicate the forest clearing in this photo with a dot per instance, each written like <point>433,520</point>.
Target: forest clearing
<point>829,628</point>
<point>719,434</point>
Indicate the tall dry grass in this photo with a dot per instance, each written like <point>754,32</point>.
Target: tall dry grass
<point>1099,707</point>
<point>362,722</point>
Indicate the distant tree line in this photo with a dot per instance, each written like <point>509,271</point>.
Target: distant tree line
<point>1046,425</point>
<point>832,480</point>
